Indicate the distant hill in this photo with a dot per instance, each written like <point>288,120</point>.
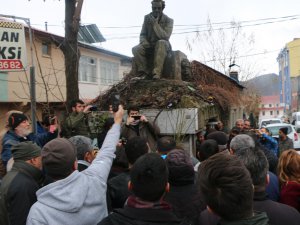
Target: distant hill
<point>265,85</point>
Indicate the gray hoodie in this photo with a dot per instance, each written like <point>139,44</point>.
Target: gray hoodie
<point>80,198</point>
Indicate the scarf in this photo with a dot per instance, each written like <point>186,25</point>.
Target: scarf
<point>29,170</point>
<point>135,202</point>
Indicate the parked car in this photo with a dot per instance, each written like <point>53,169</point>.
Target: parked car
<point>292,134</point>
<point>296,121</point>
<point>265,122</point>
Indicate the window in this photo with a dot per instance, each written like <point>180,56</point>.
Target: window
<point>109,72</point>
<point>277,112</point>
<point>262,105</point>
<point>87,69</point>
<point>263,113</point>
<point>270,105</point>
<point>46,49</point>
<point>271,113</point>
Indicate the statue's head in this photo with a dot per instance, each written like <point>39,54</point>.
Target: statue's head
<point>157,7</point>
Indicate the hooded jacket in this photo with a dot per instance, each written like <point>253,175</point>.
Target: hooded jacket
<point>80,198</point>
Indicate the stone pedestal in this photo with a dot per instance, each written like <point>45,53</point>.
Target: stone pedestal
<point>172,66</point>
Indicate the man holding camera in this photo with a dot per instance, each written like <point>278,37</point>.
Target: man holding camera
<point>77,122</point>
<point>138,125</point>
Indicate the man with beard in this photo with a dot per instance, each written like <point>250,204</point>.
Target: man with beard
<point>20,131</point>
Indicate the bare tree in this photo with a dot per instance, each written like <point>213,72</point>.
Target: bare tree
<point>222,46</point>
<point>70,47</point>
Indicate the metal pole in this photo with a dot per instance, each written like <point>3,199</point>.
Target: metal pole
<point>32,83</point>
<point>32,73</point>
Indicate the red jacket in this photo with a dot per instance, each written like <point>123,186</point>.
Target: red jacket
<point>290,194</point>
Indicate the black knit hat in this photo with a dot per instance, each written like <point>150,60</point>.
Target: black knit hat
<point>15,119</point>
<point>220,137</point>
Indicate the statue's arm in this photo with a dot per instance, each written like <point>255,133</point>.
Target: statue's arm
<point>163,33</point>
<point>143,35</point>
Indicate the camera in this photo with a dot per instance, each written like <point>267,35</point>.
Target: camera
<point>136,117</point>
<point>123,141</point>
<point>93,108</point>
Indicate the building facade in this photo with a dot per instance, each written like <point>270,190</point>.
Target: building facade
<point>271,107</point>
<point>98,70</point>
<point>289,75</point>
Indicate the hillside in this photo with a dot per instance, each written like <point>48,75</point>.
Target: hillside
<point>264,85</point>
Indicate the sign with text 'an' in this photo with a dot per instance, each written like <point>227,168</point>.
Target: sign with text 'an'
<point>12,46</point>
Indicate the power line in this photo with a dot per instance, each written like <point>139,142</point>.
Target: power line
<point>195,28</point>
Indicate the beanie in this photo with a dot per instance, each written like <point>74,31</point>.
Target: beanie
<point>15,119</point>
<point>25,150</point>
<point>83,145</point>
<point>284,130</point>
<point>165,144</point>
<point>219,136</point>
<point>181,170</point>
<point>58,157</point>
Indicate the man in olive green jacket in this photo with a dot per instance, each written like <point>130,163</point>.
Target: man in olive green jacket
<point>77,122</point>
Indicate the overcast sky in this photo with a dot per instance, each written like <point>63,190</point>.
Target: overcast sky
<point>120,22</point>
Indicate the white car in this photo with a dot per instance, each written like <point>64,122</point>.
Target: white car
<point>292,134</point>
<point>265,122</point>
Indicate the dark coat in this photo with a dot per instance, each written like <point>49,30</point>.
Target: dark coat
<point>11,138</point>
<point>17,193</point>
<point>146,130</point>
<point>185,201</point>
<point>117,191</point>
<point>278,214</point>
<point>135,216</point>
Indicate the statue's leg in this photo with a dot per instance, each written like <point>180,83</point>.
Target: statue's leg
<point>139,53</point>
<point>161,49</point>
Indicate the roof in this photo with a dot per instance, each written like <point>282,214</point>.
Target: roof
<point>81,44</point>
<point>270,99</point>
<point>210,70</point>
<point>90,34</point>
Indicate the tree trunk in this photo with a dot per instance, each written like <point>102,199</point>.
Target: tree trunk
<point>71,51</point>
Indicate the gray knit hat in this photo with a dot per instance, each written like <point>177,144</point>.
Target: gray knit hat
<point>25,150</point>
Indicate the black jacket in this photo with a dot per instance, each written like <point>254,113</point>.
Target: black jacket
<point>135,216</point>
<point>117,191</point>
<point>186,201</point>
<point>17,193</point>
<point>278,214</point>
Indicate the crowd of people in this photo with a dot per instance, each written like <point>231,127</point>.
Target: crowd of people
<point>137,176</point>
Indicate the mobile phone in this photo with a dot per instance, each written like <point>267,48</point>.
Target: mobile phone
<point>116,103</point>
<point>52,120</point>
<point>93,108</point>
<point>136,117</point>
